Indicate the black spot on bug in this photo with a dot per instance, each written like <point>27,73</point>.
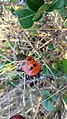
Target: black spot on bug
<point>34,65</point>
<point>31,68</point>
<point>29,59</point>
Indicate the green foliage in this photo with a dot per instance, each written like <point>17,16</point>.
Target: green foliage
<point>63,65</point>
<point>6,44</point>
<point>65,2</point>
<point>65,23</point>
<point>65,98</point>
<point>14,80</point>
<point>34,10</point>
<point>12,10</point>
<point>1,51</point>
<point>50,7</point>
<point>25,17</point>
<point>41,10</point>
<point>65,77</point>
<point>55,65</point>
<point>45,70</point>
<point>56,4</point>
<point>50,46</point>
<point>12,1</point>
<point>7,7</point>
<point>9,82</point>
<point>63,12</point>
<point>34,5</point>
<point>63,9</point>
<point>55,71</point>
<point>47,100</point>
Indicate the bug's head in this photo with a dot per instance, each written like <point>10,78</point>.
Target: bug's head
<point>20,56</point>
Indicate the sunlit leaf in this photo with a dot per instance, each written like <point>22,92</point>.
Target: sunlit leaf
<point>55,65</point>
<point>25,17</point>
<point>40,11</point>
<point>65,98</point>
<point>64,65</point>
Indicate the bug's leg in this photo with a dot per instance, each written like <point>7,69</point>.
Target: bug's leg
<point>18,68</point>
<point>40,81</point>
<point>27,77</point>
<point>37,76</point>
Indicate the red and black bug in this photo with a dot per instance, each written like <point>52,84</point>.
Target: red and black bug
<point>28,65</point>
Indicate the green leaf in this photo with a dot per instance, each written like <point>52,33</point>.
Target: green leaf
<point>56,4</point>
<point>65,98</point>
<point>65,2</point>
<point>45,70</point>
<point>44,93</point>
<point>7,62</point>
<point>36,26</point>
<point>64,65</point>
<point>41,10</point>
<point>50,46</point>
<point>55,65</point>
<point>1,57</point>
<point>65,76</point>
<point>1,51</point>
<point>34,5</point>
<point>14,1</point>
<point>63,12</point>
<point>9,82</point>
<point>6,44</point>
<point>65,23</point>
<point>53,98</point>
<point>47,103</point>
<point>11,1</point>
<point>25,17</point>
<point>12,10</point>
<point>8,7</point>
<point>14,76</point>
<point>56,72</point>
